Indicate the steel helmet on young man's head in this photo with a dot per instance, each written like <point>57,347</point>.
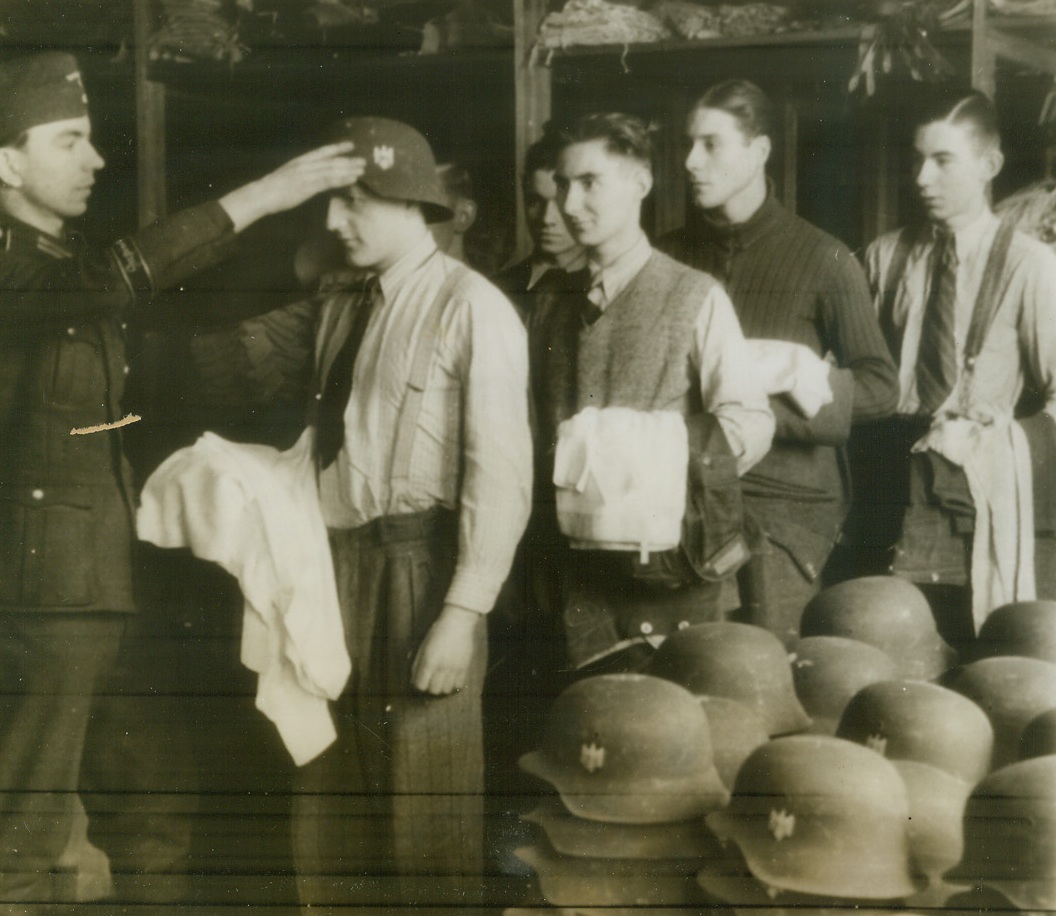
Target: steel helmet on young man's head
<point>399,162</point>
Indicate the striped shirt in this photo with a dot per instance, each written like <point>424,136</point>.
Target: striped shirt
<point>472,449</point>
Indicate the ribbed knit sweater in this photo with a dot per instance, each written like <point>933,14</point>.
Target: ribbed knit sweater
<point>788,280</point>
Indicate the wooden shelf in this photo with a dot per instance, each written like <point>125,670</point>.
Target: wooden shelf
<point>839,36</point>
<point>1028,42</point>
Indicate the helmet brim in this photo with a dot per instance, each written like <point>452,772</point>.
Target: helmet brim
<point>641,800</point>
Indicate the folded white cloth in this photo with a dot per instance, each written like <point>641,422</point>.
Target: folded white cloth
<point>621,478</point>
<point>255,511</point>
<point>996,462</point>
<point>793,369</point>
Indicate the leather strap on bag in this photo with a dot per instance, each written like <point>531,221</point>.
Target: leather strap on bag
<point>421,363</point>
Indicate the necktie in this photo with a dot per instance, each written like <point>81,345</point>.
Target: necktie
<point>333,399</point>
<point>937,358</point>
<point>594,301</point>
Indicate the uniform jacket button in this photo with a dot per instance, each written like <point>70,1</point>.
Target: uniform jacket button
<point>37,494</point>
<point>646,627</point>
<point>71,331</point>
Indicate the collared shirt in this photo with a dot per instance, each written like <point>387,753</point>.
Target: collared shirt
<point>569,261</point>
<point>719,356</point>
<point>472,449</point>
<point>1021,343</point>
<point>609,280</point>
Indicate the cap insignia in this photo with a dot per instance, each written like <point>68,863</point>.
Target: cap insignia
<point>75,77</point>
<point>384,157</point>
<point>782,824</point>
<point>592,756</point>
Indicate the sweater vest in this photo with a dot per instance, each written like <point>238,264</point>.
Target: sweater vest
<point>637,354</point>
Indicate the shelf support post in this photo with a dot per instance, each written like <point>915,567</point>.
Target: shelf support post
<point>150,122</point>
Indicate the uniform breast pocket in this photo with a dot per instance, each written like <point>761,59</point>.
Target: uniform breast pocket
<point>47,555</point>
<point>77,372</point>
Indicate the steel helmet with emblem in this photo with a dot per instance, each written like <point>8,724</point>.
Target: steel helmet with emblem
<point>399,162</point>
<point>1010,834</point>
<point>1039,737</point>
<point>820,815</point>
<point>885,612</point>
<point>828,670</point>
<point>629,748</point>
<point>918,720</point>
<point>1025,628</point>
<point>735,660</point>
<point>1012,691</point>
<point>936,838</point>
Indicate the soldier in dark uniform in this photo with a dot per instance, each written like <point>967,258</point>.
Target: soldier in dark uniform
<point>66,498</point>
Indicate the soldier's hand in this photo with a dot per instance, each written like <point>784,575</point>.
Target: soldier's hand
<point>442,663</point>
<point>324,169</point>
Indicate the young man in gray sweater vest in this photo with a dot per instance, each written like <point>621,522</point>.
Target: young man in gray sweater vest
<point>649,334</point>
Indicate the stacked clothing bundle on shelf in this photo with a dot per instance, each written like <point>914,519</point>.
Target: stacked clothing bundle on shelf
<point>600,22</point>
<point>197,30</point>
<point>927,784</point>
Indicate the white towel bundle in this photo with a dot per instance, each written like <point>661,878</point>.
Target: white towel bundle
<point>255,511</point>
<point>621,478</point>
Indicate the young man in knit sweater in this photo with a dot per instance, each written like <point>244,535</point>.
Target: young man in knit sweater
<point>804,304</point>
<point>650,334</point>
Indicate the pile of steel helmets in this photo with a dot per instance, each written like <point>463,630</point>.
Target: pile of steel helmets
<point>868,769</point>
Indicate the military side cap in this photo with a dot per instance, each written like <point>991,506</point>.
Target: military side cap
<point>400,162</point>
<point>38,90</point>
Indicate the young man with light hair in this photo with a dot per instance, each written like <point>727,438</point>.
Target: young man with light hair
<point>966,305</point>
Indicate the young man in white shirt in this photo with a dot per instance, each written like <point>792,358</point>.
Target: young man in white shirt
<point>966,307</point>
<point>424,456</point>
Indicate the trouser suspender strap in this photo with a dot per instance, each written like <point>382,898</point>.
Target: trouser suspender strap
<point>407,425</point>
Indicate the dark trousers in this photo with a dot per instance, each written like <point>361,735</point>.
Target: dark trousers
<point>51,665</point>
<point>185,782</point>
<point>774,591</point>
<point>392,813</point>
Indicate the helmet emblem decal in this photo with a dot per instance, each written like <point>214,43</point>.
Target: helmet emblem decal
<point>384,157</point>
<point>782,824</point>
<point>592,756</point>
<point>877,743</point>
